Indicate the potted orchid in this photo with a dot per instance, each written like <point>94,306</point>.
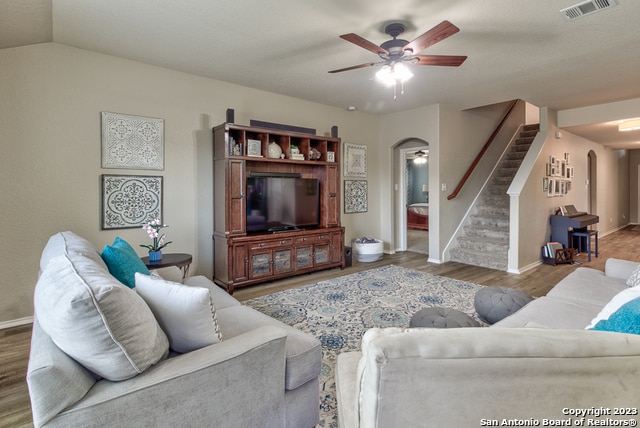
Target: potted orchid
<point>159,240</point>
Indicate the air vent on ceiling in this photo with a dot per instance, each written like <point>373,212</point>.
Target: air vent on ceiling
<point>586,8</point>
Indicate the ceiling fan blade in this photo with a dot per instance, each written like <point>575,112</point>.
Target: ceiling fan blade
<point>445,60</point>
<point>363,43</point>
<point>436,34</point>
<point>354,67</point>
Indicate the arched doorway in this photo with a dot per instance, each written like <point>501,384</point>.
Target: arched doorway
<point>411,188</point>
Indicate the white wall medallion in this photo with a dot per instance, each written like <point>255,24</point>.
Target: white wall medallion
<point>355,196</point>
<point>355,160</point>
<point>129,201</point>
<point>132,142</point>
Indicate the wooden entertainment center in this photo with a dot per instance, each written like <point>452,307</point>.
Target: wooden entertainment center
<point>242,258</point>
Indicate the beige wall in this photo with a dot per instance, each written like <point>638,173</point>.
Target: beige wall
<point>52,96</point>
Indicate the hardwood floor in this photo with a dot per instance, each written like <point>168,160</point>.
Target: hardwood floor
<point>15,410</point>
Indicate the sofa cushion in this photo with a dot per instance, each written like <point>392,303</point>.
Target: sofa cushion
<point>552,313</point>
<point>625,320</point>
<point>623,297</point>
<point>96,320</point>
<point>186,314</point>
<point>123,262</point>
<point>303,351</point>
<point>634,279</point>
<point>221,299</point>
<point>586,285</point>
<point>69,243</point>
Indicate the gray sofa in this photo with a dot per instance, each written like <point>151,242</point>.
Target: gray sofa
<point>263,372</point>
<point>539,363</point>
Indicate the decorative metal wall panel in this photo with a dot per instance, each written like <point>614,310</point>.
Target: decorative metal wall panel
<point>132,142</point>
<point>355,160</point>
<point>355,196</point>
<point>129,201</point>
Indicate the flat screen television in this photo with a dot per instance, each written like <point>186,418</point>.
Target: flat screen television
<point>277,203</point>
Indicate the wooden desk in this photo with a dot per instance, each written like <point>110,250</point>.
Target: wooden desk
<point>181,260</point>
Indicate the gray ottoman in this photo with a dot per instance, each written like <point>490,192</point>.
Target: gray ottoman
<point>442,318</point>
<point>495,303</point>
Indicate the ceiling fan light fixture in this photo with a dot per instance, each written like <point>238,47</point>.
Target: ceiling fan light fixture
<point>629,125</point>
<point>393,74</point>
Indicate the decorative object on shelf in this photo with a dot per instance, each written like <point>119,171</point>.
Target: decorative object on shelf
<point>254,148</point>
<point>355,196</point>
<point>132,142</point>
<point>295,150</point>
<point>273,150</point>
<point>331,157</point>
<point>355,160</point>
<point>159,241</point>
<point>235,148</point>
<point>129,200</point>
<point>314,154</point>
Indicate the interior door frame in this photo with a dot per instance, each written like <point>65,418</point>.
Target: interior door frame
<point>401,239</point>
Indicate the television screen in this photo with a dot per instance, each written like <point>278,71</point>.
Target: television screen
<point>282,203</point>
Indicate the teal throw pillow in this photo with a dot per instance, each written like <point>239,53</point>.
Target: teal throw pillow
<point>123,262</point>
<point>624,320</point>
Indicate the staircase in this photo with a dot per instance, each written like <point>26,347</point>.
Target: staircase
<point>484,240</point>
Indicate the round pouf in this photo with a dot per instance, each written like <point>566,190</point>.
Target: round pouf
<point>442,318</point>
<point>495,303</point>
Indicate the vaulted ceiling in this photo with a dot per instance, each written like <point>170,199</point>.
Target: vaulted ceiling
<point>516,48</point>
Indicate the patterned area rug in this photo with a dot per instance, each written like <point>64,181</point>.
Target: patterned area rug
<point>338,312</point>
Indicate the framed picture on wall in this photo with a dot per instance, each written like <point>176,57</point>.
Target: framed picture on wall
<point>355,196</point>
<point>129,201</point>
<point>132,142</point>
<point>355,160</point>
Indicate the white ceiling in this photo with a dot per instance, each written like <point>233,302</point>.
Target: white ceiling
<point>516,48</point>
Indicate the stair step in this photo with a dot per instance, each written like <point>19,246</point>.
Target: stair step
<point>502,181</point>
<point>511,163</point>
<point>495,234</point>
<point>501,223</point>
<point>492,211</point>
<point>479,258</point>
<point>500,200</point>
<point>531,127</point>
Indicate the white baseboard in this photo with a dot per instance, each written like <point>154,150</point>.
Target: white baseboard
<point>16,323</point>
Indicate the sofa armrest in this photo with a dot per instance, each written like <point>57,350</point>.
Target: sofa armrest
<point>235,383</point>
<point>459,377</point>
<point>620,269</point>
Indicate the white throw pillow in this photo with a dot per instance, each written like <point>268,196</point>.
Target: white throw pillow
<point>634,279</point>
<point>96,320</point>
<point>614,304</point>
<point>185,313</point>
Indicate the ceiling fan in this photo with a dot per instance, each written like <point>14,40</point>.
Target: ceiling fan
<point>396,52</point>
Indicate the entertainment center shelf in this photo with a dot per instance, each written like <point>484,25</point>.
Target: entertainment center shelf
<point>245,158</point>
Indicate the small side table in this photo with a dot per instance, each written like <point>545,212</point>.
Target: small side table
<point>181,260</point>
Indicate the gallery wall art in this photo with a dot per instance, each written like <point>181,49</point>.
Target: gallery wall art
<point>129,201</point>
<point>132,142</point>
<point>355,196</point>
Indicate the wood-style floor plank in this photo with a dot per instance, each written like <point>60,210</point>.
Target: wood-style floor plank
<point>15,409</point>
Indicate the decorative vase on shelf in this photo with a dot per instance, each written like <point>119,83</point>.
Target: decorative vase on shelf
<point>274,150</point>
<point>155,256</point>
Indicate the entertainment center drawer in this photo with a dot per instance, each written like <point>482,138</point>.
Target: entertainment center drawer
<point>312,239</point>
<point>271,243</point>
